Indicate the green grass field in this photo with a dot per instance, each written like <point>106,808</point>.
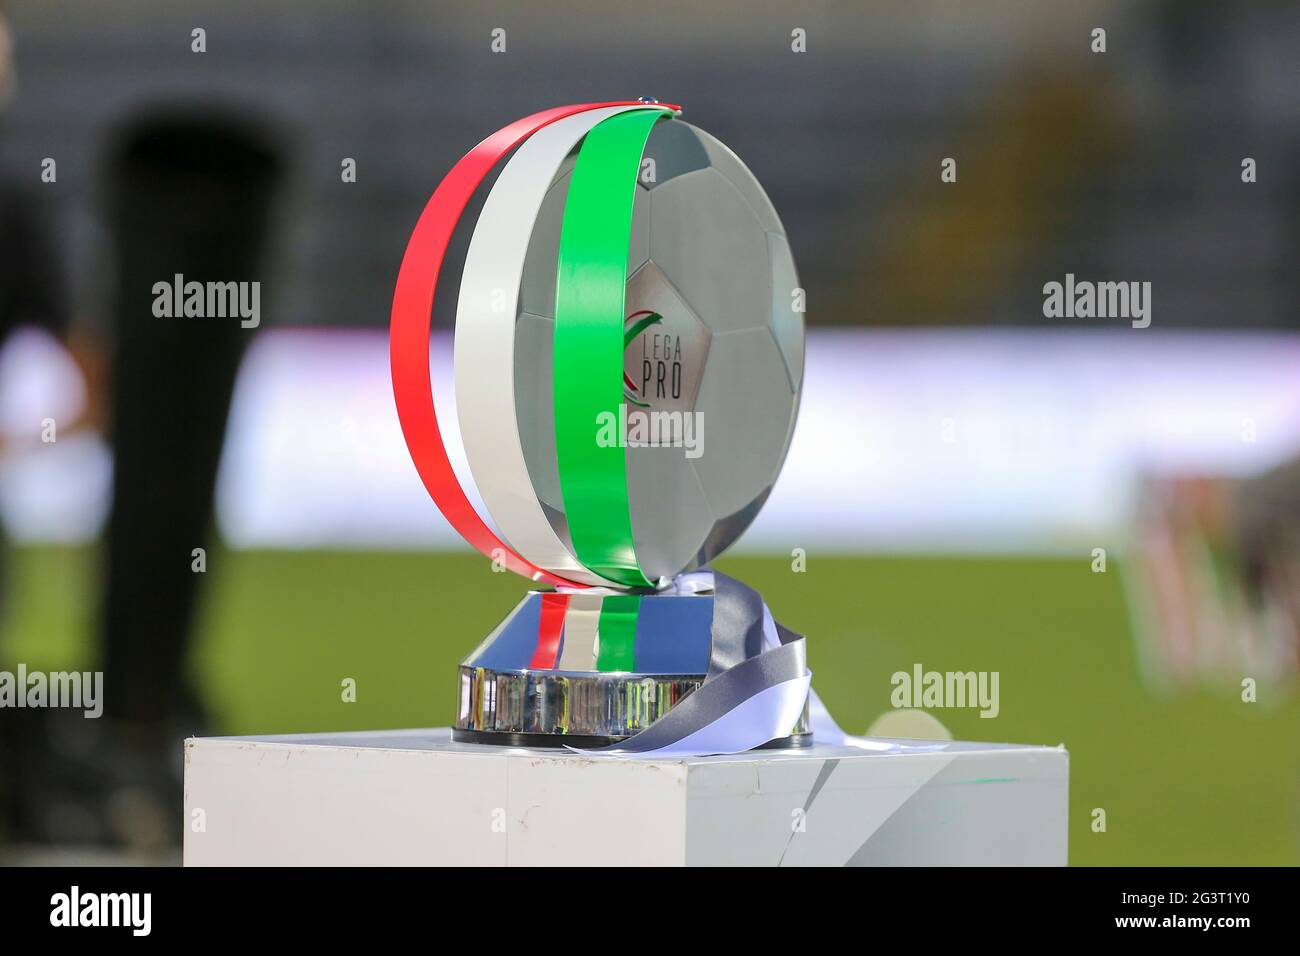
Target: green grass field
<point>1185,779</point>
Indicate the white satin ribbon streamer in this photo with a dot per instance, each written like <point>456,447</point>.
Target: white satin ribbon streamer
<point>765,716</point>
<point>750,719</point>
<point>691,582</point>
<point>824,728</point>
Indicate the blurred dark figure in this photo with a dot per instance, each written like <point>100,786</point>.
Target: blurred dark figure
<point>1217,575</point>
<point>33,292</point>
<point>189,197</point>
<point>32,282</point>
<point>187,194</point>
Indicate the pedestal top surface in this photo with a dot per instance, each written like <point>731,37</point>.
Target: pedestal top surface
<point>438,740</point>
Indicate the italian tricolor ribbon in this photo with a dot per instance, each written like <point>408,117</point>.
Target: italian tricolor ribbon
<point>409,336</point>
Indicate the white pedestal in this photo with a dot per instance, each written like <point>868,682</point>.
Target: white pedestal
<point>414,797</point>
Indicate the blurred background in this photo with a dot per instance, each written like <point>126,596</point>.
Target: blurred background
<point>1108,516</point>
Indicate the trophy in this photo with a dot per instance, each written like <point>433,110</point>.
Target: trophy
<point>628,360</point>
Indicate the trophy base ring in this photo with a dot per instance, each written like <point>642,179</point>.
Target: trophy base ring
<point>498,738</point>
<point>505,699</point>
<point>588,709</point>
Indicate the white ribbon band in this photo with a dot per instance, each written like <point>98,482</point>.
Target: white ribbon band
<point>581,633</point>
<point>485,344</point>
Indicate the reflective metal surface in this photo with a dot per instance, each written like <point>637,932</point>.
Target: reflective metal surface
<point>674,633</point>
<point>502,698</point>
<point>708,261</point>
<point>581,708</point>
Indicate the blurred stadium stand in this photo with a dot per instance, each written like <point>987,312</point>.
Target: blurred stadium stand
<point>1114,166</point>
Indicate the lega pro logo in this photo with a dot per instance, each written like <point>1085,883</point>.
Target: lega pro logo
<point>663,359</point>
<point>75,908</point>
<point>636,323</point>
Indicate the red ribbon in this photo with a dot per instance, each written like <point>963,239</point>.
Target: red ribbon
<point>549,628</point>
<point>408,339</point>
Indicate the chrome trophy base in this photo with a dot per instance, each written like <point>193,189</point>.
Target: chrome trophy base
<point>528,708</point>
<point>503,699</point>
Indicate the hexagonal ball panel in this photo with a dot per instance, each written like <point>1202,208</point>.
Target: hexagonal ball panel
<point>709,243</point>
<point>748,410</point>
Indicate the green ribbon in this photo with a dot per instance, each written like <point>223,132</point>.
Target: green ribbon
<point>617,630</point>
<point>590,287</point>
